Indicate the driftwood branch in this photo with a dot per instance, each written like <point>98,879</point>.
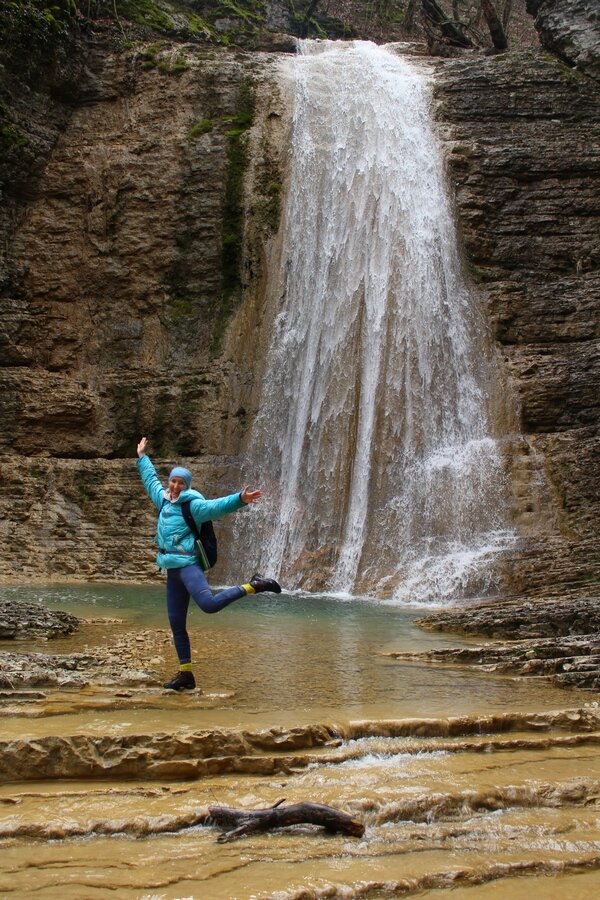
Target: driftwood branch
<point>245,821</point>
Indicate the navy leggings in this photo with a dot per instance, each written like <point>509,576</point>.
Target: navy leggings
<point>190,581</point>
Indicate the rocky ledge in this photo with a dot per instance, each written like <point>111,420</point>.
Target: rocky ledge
<point>560,642</point>
<point>281,750</point>
<point>133,658</point>
<point>24,619</point>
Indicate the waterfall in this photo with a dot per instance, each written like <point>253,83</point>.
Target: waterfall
<point>375,440</point>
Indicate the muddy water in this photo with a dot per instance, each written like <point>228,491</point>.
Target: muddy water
<point>452,798</point>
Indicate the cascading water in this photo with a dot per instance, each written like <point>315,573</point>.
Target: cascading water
<point>374,442</point>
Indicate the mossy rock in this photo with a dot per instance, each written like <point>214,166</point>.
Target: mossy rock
<point>11,138</point>
<point>204,126</point>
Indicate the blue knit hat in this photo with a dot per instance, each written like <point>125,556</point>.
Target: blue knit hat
<point>180,472</point>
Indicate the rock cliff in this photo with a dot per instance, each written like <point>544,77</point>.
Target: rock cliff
<point>123,270</point>
<point>526,181</point>
<point>571,30</point>
<point>139,211</point>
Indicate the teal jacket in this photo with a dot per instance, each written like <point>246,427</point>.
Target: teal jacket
<point>175,540</point>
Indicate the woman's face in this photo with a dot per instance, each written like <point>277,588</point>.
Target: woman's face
<point>176,486</point>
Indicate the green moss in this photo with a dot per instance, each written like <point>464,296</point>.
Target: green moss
<point>145,12</point>
<point>242,120</point>
<point>177,68</point>
<point>201,127</point>
<point>180,308</point>
<point>252,13</point>
<point>148,57</point>
<point>35,33</point>
<point>150,61</point>
<point>569,70</point>
<point>320,24</point>
<point>233,212</point>
<point>161,16</point>
<point>196,24</point>
<point>180,65</point>
<point>11,137</point>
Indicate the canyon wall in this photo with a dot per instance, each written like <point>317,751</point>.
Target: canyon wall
<point>139,214</point>
<point>523,159</point>
<point>126,257</point>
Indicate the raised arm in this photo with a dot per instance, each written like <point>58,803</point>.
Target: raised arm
<point>203,510</point>
<point>148,475</point>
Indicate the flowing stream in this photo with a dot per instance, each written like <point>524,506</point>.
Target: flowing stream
<point>376,439</point>
<point>462,780</point>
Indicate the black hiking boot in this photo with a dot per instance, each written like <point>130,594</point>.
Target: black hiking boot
<point>183,681</point>
<point>261,584</point>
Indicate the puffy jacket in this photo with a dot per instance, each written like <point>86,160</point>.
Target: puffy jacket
<point>175,540</point>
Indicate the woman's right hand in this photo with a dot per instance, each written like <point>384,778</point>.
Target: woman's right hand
<point>142,446</point>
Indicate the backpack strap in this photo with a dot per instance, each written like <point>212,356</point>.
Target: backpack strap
<point>189,519</point>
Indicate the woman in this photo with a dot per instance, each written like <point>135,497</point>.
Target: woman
<point>177,554</point>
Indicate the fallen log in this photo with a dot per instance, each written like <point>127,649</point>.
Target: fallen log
<point>245,821</point>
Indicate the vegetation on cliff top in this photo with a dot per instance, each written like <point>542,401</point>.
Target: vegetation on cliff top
<point>41,33</point>
<point>38,35</point>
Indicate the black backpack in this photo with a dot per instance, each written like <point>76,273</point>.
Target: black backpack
<point>206,539</point>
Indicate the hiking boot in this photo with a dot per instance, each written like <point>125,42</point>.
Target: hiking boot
<point>261,584</point>
<point>183,681</point>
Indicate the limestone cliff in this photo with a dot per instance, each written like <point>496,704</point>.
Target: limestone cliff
<point>526,178</point>
<point>130,290</point>
<point>122,270</point>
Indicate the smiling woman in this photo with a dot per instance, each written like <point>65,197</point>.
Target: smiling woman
<point>178,553</point>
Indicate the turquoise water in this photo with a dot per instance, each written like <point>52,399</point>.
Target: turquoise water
<point>303,653</point>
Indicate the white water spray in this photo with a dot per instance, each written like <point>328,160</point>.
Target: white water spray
<point>374,441</point>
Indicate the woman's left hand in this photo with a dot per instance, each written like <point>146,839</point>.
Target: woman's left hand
<point>249,496</point>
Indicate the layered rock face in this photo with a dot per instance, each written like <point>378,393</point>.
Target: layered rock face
<point>525,173</point>
<point>571,29</point>
<point>122,276</point>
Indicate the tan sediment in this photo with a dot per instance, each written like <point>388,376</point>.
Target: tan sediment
<point>440,810</point>
<point>447,880</point>
<point>190,755</point>
<point>584,719</point>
